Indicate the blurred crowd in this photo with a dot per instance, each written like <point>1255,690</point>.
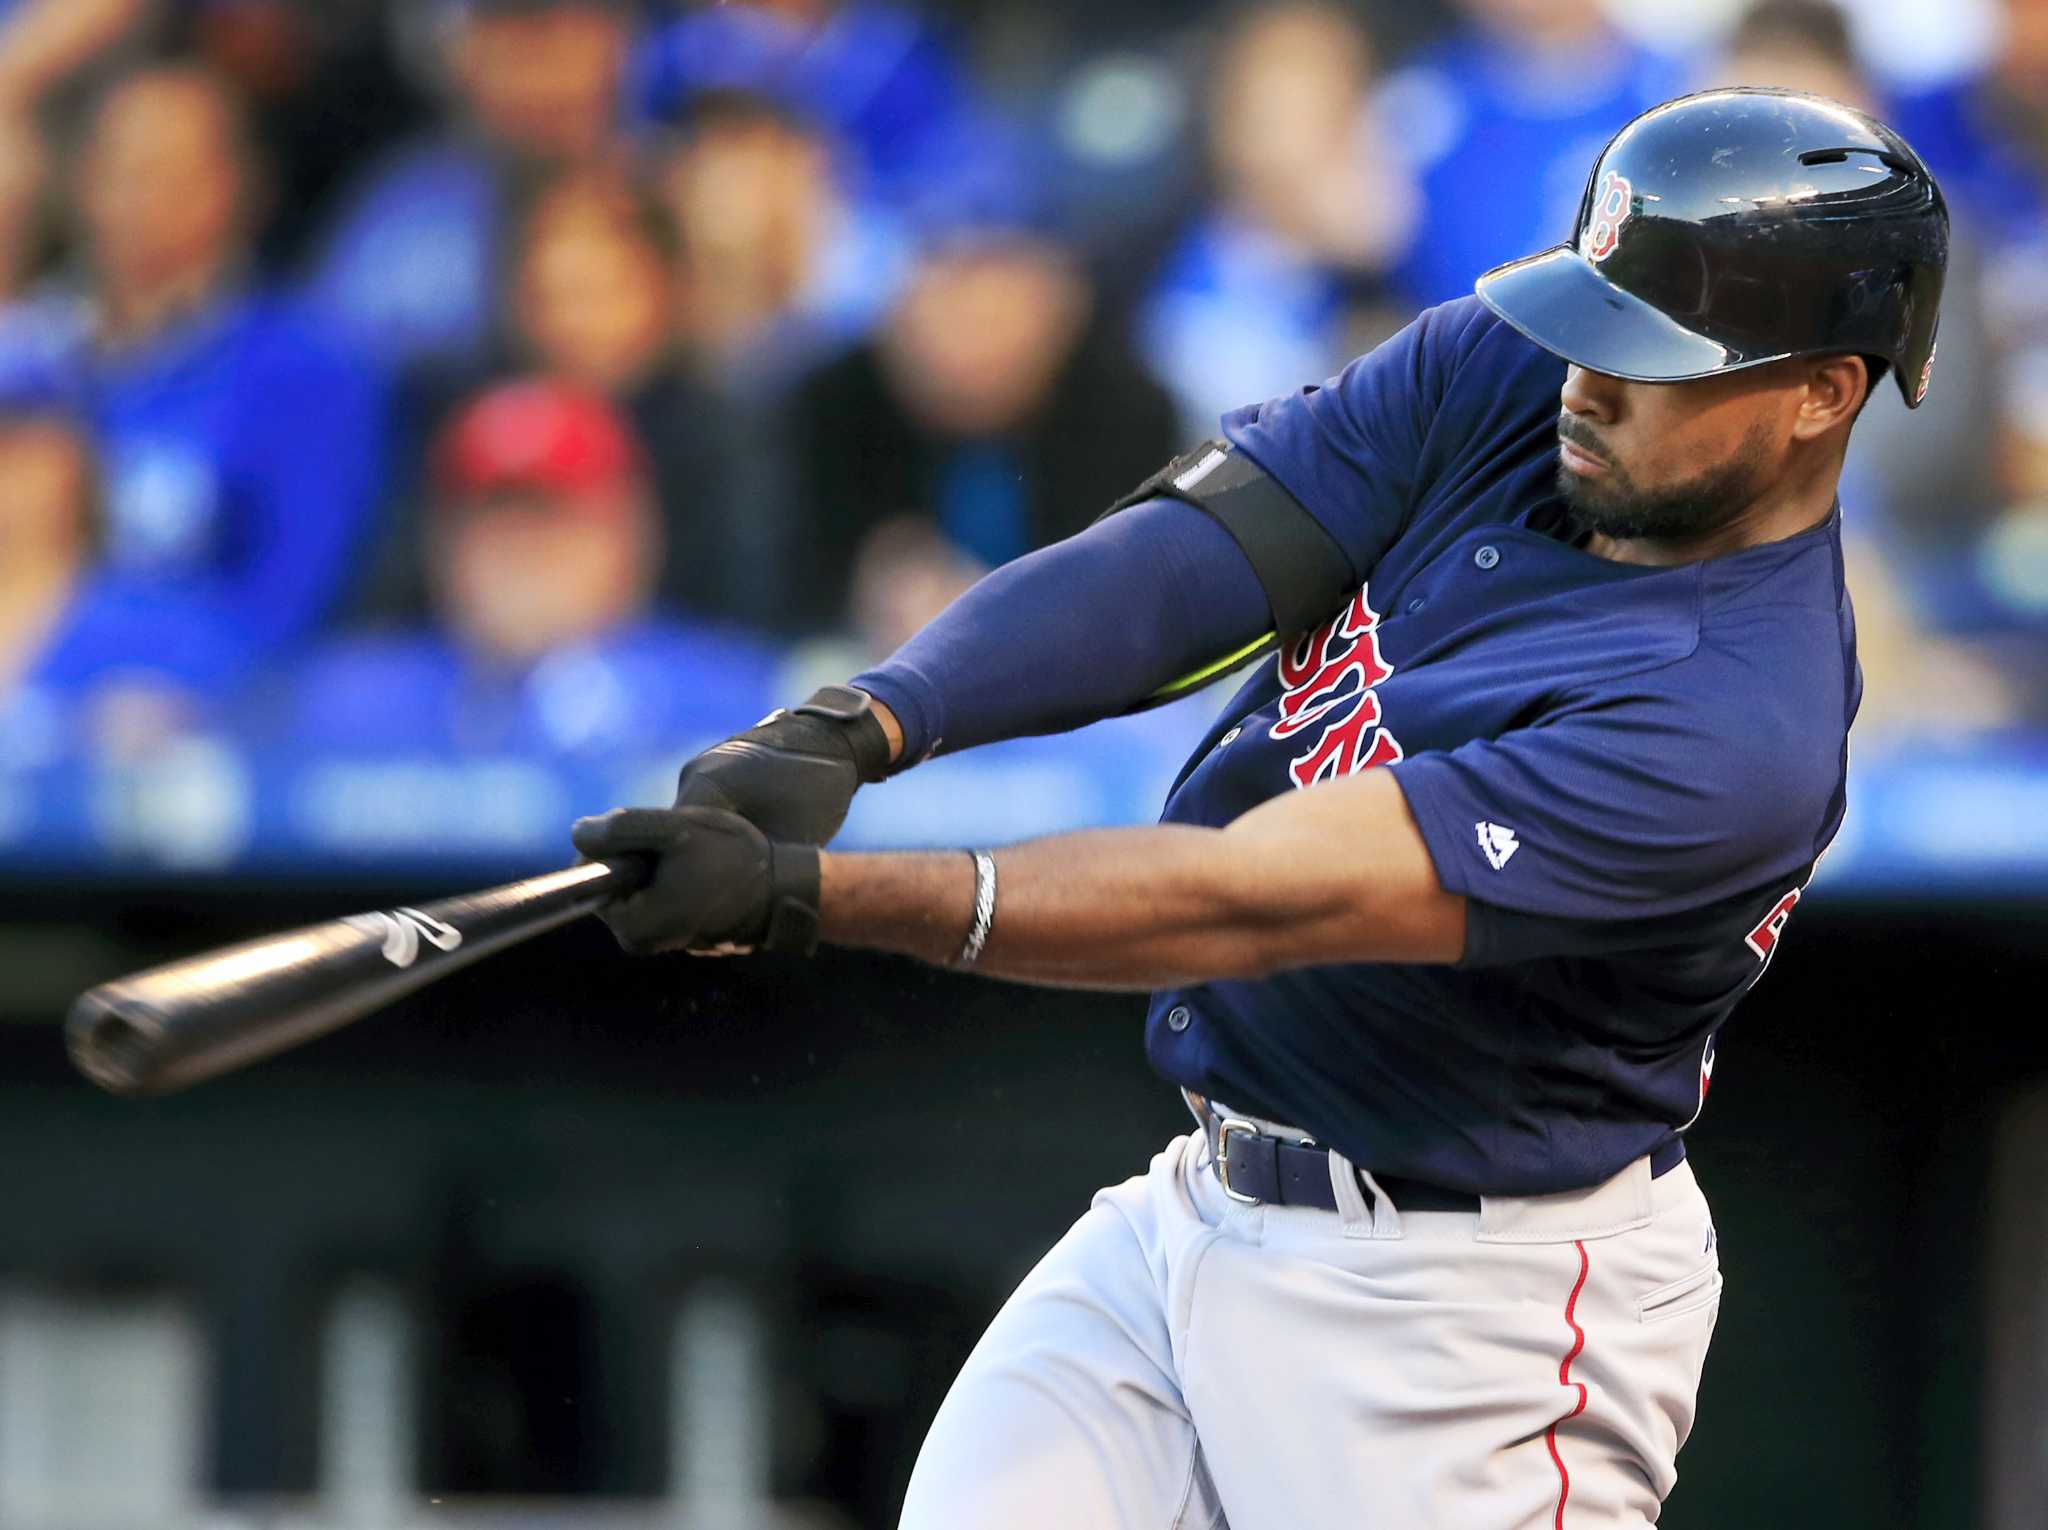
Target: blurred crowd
<point>543,374</point>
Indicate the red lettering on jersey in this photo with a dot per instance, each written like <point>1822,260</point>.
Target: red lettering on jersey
<point>1763,940</point>
<point>1329,675</point>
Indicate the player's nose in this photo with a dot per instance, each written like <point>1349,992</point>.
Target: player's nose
<point>1592,395</point>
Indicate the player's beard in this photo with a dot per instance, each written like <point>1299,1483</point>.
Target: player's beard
<point>1613,505</point>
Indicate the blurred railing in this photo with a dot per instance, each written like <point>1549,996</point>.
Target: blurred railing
<point>103,1397</point>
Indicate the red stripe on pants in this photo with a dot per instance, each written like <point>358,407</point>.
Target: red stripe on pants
<point>1564,1379</point>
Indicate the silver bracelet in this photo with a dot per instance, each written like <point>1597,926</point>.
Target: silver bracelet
<point>984,908</point>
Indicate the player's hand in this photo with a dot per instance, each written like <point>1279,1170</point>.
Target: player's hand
<point>720,886</point>
<point>793,774</point>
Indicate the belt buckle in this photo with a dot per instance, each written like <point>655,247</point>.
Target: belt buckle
<point>1224,1127</point>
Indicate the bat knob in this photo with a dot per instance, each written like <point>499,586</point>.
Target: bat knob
<point>111,1045</point>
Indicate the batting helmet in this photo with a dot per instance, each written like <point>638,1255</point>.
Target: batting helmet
<point>1737,227</point>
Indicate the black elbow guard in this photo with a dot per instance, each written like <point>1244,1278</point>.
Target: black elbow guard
<point>1299,565</point>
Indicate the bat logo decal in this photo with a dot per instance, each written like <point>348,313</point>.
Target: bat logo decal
<point>401,931</point>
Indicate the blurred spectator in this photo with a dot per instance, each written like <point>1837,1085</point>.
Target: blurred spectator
<point>1796,45</point>
<point>1498,122</point>
<point>1986,138</point>
<point>242,449</point>
<point>780,269</point>
<point>871,75</point>
<point>1916,491</point>
<point>1928,484</point>
<point>992,405</point>
<point>45,537</point>
<point>1906,44</point>
<point>24,203</point>
<point>412,264</point>
<point>1273,286</point>
<point>1904,664</point>
<point>543,550</point>
<point>44,44</point>
<point>39,325</point>
<point>595,284</point>
<point>907,571</point>
<point>86,661</point>
<point>325,90</point>
<point>598,299</point>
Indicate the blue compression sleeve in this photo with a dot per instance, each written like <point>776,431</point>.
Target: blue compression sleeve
<point>1074,632</point>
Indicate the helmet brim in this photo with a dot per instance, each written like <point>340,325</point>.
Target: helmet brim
<point>1560,300</point>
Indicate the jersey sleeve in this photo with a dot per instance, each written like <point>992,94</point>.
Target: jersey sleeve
<point>1351,450</point>
<point>1571,833</point>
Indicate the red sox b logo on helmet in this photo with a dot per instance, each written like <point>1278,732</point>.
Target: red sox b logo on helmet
<point>1613,205</point>
<point>1329,675</point>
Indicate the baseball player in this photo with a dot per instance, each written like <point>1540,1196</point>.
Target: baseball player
<point>1447,911</point>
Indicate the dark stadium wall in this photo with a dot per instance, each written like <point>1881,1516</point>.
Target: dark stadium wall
<point>542,1152</point>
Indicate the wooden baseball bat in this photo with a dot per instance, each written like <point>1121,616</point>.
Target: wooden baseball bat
<point>175,1025</point>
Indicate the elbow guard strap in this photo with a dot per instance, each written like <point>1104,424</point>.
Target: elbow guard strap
<point>1299,565</point>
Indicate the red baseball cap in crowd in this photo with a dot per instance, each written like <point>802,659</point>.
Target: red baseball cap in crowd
<point>539,436</point>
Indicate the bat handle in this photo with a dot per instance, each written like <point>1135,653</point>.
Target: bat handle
<point>629,873</point>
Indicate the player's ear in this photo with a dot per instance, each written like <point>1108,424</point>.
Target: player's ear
<point>1836,387</point>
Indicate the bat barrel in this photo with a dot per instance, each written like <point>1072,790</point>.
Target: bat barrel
<point>176,1025</point>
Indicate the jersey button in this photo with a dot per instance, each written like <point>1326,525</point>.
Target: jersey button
<point>1416,605</point>
<point>1487,556</point>
<point>1177,1018</point>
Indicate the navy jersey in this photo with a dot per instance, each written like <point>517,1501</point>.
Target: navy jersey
<point>1629,772</point>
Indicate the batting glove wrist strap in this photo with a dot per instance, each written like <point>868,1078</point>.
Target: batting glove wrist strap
<point>793,881</point>
<point>855,714</point>
<point>793,774</point>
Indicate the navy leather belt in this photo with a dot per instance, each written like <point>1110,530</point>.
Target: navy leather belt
<point>1253,1167</point>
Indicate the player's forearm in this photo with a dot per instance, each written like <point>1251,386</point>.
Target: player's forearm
<point>1129,908</point>
<point>1110,909</point>
<point>1336,873</point>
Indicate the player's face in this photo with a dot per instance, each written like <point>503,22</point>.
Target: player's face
<point>1671,461</point>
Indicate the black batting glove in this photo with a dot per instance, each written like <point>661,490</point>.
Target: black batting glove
<point>719,887</point>
<point>793,774</point>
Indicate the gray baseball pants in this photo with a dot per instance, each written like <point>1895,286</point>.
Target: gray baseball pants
<point>1180,1361</point>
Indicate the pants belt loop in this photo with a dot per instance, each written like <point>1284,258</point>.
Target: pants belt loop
<point>1358,1217</point>
<point>1386,1216</point>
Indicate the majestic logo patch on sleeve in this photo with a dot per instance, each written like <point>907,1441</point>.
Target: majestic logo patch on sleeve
<point>1614,203</point>
<point>1497,844</point>
<point>1329,675</point>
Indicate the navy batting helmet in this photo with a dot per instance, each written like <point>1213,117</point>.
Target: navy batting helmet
<point>1736,227</point>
